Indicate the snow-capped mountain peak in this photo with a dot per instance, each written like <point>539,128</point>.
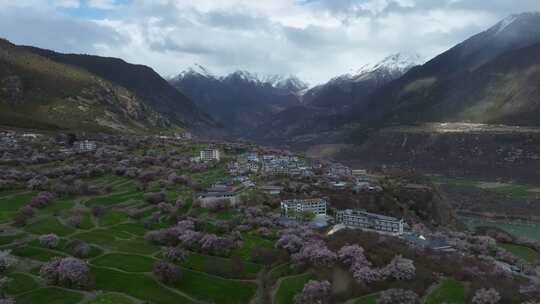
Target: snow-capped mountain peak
<point>501,26</point>
<point>521,21</point>
<point>394,66</point>
<point>399,62</point>
<point>242,76</point>
<point>196,70</point>
<point>290,82</point>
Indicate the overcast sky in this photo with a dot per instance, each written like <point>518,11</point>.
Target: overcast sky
<point>314,39</point>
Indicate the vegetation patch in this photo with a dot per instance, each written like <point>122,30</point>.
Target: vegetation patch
<point>450,291</point>
<point>49,225</point>
<point>125,262</point>
<point>215,289</point>
<point>114,199</point>
<point>110,298</point>
<point>221,266</point>
<point>59,205</point>
<point>35,253</point>
<point>140,286</point>
<point>7,239</point>
<point>249,242</point>
<point>369,299</point>
<point>50,295</point>
<point>20,283</point>
<point>133,228</point>
<point>11,203</point>
<point>113,217</point>
<point>526,253</point>
<point>279,272</point>
<point>290,286</point>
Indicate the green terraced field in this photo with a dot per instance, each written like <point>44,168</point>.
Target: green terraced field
<point>220,266</point>
<point>49,225</point>
<point>50,295</point>
<point>140,286</point>
<point>125,262</point>
<point>110,298</point>
<point>290,286</point>
<point>526,253</point>
<point>449,291</point>
<point>11,202</point>
<point>21,283</point>
<point>249,242</point>
<point>215,289</point>
<point>370,299</point>
<point>35,253</point>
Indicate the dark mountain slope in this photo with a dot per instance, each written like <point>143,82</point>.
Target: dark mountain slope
<point>142,80</point>
<point>40,93</point>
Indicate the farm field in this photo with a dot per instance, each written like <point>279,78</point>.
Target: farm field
<point>508,189</point>
<point>121,260</point>
<point>516,228</point>
<point>290,286</point>
<point>526,253</point>
<point>448,291</point>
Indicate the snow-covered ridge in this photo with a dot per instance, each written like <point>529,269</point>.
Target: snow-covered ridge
<point>289,82</point>
<point>510,20</point>
<point>395,64</point>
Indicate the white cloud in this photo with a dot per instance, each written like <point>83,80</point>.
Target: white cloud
<point>316,39</point>
<point>67,3</point>
<point>102,4</point>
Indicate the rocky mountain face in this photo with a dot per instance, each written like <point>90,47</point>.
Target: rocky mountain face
<point>489,78</point>
<point>240,100</point>
<point>42,89</point>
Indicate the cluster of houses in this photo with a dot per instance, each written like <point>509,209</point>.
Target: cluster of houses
<point>7,138</point>
<point>285,165</point>
<point>249,164</point>
<point>342,177</point>
<point>270,164</point>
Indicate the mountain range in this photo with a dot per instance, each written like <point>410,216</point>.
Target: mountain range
<point>241,99</point>
<point>250,105</point>
<point>491,77</point>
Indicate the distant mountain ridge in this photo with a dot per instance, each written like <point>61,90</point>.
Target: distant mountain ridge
<point>343,91</point>
<point>324,106</point>
<point>239,100</point>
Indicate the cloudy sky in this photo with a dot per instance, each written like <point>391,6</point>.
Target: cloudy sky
<point>314,39</point>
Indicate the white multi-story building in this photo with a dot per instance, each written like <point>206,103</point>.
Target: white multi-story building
<point>85,146</point>
<point>210,155</point>
<point>367,220</point>
<point>315,205</point>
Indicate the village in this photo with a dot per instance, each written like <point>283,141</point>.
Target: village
<point>174,214</point>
